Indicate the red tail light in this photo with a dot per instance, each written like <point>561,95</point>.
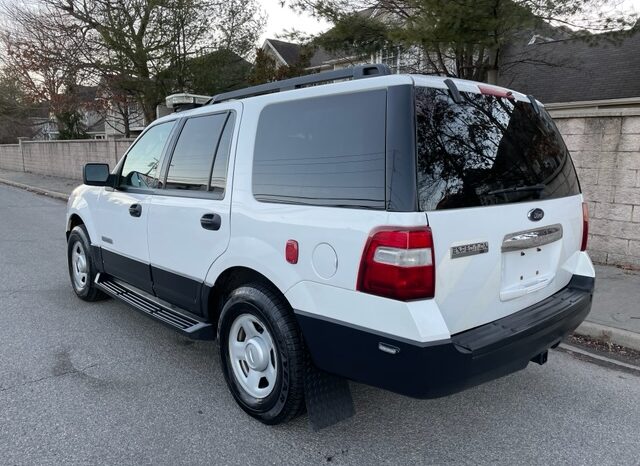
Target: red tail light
<point>585,226</point>
<point>399,264</point>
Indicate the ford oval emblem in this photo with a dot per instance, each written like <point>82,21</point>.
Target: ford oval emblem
<point>535,215</point>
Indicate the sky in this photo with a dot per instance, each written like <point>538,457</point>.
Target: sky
<point>281,19</point>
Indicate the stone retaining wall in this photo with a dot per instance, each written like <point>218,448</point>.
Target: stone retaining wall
<point>606,152</point>
<point>61,158</point>
<point>11,157</point>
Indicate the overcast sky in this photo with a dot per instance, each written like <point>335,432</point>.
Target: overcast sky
<point>281,19</point>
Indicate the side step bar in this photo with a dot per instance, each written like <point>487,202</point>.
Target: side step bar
<point>165,313</point>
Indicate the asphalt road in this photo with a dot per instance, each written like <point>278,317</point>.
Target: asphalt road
<point>100,383</point>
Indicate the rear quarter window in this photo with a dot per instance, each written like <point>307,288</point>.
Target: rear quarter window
<point>487,150</point>
<point>324,151</point>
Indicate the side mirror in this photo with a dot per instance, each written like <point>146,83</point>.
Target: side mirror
<point>96,174</point>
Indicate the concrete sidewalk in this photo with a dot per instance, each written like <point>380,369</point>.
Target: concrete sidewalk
<point>52,186</point>
<point>614,317</point>
<point>615,314</point>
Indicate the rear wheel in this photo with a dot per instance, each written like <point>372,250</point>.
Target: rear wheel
<point>82,270</point>
<point>262,354</point>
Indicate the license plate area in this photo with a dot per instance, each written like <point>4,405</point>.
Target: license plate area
<point>530,260</point>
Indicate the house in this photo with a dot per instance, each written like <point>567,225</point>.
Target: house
<point>289,53</point>
<point>573,73</point>
<point>397,59</point>
<point>101,117</point>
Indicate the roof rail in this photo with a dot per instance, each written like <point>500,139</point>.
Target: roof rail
<point>356,72</point>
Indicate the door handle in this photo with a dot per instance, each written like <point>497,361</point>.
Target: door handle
<point>135,210</point>
<point>210,222</point>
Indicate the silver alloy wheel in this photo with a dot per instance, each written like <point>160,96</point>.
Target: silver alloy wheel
<point>253,356</point>
<point>79,266</point>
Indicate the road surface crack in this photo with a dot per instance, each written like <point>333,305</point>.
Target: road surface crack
<point>60,374</point>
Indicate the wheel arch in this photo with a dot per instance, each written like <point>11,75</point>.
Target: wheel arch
<point>230,279</point>
<point>74,221</point>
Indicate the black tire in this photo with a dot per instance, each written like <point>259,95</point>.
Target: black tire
<point>286,399</point>
<point>79,241</point>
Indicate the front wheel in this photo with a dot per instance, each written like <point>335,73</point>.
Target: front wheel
<point>262,354</point>
<point>82,270</point>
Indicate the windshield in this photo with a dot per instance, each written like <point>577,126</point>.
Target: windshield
<point>487,150</point>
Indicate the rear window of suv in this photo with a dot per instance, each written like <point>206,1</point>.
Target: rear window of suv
<point>487,150</point>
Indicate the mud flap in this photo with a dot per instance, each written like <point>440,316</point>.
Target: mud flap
<point>327,396</point>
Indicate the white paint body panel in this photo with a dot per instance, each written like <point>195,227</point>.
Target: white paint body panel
<point>468,288</point>
<point>177,241</point>
<point>82,202</point>
<point>117,230</point>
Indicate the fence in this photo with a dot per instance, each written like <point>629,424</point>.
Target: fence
<point>61,158</point>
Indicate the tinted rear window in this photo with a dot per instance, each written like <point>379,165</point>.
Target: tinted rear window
<point>326,151</point>
<point>487,151</point>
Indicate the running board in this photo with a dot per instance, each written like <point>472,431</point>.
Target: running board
<point>165,313</point>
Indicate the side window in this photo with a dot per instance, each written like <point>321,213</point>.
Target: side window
<point>193,156</point>
<point>140,168</point>
<point>325,151</point>
<point>221,162</point>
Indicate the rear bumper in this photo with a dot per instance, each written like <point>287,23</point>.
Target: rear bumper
<point>440,368</point>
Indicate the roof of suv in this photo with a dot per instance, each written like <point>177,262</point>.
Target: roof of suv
<point>374,82</point>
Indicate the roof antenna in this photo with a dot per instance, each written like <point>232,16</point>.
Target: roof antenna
<point>453,90</point>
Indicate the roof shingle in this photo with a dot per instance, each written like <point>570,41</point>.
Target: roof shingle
<point>573,70</point>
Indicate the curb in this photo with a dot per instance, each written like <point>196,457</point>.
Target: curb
<point>608,334</point>
<point>33,189</point>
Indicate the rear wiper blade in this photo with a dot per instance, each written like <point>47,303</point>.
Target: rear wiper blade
<point>535,187</point>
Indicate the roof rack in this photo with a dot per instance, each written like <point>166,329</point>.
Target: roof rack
<point>356,72</point>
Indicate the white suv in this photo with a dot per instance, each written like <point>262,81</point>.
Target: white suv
<point>414,233</point>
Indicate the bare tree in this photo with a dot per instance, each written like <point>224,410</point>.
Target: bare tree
<point>43,57</point>
<point>14,111</point>
<point>60,41</point>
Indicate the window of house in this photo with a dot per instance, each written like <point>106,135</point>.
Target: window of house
<point>325,151</point>
<point>390,56</point>
<point>140,168</point>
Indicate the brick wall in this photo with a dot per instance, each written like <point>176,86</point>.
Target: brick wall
<point>606,152</point>
<point>61,158</point>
